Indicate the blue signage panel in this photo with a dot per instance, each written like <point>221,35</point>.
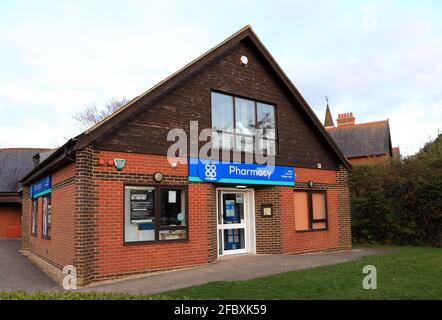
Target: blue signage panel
<point>41,187</point>
<point>240,173</point>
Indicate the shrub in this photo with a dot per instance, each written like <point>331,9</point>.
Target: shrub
<point>399,201</point>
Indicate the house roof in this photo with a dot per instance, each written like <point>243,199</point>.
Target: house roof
<point>14,164</point>
<point>139,102</point>
<point>364,139</point>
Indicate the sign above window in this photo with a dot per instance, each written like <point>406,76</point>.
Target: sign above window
<point>41,187</point>
<point>240,173</point>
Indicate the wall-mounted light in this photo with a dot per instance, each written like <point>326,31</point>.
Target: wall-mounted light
<point>311,184</point>
<point>241,187</point>
<point>174,164</point>
<point>158,177</point>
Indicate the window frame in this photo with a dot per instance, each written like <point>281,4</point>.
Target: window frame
<point>311,220</point>
<point>157,214</point>
<point>48,225</point>
<point>236,134</point>
<point>34,216</point>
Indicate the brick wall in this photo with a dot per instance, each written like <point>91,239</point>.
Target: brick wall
<point>113,258</point>
<point>59,249</point>
<point>268,229</point>
<point>25,219</point>
<point>370,160</point>
<point>344,208</point>
<point>85,221</point>
<point>88,217</point>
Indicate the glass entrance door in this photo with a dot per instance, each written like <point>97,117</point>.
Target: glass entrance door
<point>233,216</point>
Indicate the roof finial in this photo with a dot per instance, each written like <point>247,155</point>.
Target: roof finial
<point>328,117</point>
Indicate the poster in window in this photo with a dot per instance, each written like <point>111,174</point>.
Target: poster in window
<point>172,196</point>
<point>141,206</point>
<point>230,208</point>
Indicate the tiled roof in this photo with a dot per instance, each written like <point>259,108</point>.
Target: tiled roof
<point>364,139</point>
<point>14,164</point>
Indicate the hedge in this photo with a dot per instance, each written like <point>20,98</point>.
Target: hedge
<point>399,201</point>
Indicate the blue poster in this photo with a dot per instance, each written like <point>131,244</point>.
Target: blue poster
<point>243,173</point>
<point>41,187</point>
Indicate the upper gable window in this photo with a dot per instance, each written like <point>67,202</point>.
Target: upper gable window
<point>243,124</point>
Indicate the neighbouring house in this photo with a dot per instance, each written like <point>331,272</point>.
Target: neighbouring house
<point>361,143</point>
<point>111,203</point>
<point>14,164</point>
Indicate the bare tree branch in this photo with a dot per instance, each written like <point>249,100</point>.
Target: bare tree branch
<point>91,115</point>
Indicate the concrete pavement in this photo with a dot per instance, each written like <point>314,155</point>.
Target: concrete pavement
<point>18,273</point>
<point>232,269</point>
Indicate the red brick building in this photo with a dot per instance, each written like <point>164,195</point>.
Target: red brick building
<point>110,202</point>
<point>362,143</point>
<point>14,164</point>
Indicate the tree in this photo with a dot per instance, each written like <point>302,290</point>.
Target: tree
<point>91,115</point>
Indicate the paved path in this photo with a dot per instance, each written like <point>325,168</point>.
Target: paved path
<point>18,273</point>
<point>232,269</point>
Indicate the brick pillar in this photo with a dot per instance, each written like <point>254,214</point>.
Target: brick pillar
<point>85,235</point>
<point>25,219</point>
<point>344,208</point>
<point>212,223</point>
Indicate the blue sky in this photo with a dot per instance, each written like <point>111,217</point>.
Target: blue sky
<point>377,59</point>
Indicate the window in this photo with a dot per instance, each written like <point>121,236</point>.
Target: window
<point>243,124</point>
<point>46,216</point>
<point>34,216</point>
<point>155,214</point>
<point>310,210</point>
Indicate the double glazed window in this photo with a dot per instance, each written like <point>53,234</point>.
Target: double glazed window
<point>243,125</point>
<point>46,216</point>
<point>310,210</point>
<point>155,214</point>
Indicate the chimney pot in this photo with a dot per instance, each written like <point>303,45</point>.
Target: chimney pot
<point>346,119</point>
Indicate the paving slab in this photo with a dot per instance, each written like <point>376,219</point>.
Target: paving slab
<point>18,273</point>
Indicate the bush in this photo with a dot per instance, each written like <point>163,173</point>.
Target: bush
<point>75,295</point>
<point>399,201</point>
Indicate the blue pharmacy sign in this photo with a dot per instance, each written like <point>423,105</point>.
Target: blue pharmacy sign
<point>201,170</point>
<point>41,187</point>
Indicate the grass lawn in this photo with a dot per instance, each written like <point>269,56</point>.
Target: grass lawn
<point>410,273</point>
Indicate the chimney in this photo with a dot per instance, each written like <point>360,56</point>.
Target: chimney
<point>36,159</point>
<point>346,119</point>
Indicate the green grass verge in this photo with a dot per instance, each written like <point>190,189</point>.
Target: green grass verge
<point>409,273</point>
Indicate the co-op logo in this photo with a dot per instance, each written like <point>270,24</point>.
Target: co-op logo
<point>208,171</point>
